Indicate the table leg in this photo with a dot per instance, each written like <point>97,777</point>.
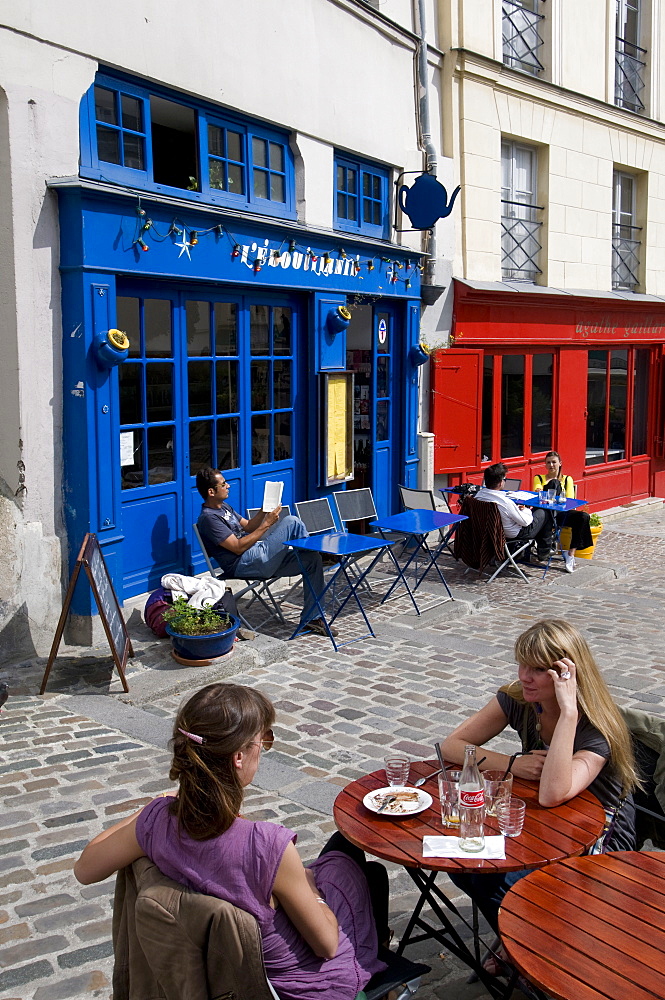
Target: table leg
<point>318,598</point>
<point>447,934</point>
<point>421,544</point>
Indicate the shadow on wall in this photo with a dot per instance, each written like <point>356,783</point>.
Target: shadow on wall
<point>15,636</point>
<point>167,555</point>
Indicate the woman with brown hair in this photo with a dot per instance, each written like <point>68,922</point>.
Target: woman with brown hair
<point>573,737</point>
<point>318,924</point>
<point>577,520</point>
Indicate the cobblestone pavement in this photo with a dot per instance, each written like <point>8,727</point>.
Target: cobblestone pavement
<point>85,754</point>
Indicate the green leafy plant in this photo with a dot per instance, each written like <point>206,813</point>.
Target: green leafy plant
<point>595,521</point>
<point>186,620</point>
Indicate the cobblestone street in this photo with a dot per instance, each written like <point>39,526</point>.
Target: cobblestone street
<point>86,754</point>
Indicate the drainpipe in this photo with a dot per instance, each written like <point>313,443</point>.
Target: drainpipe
<point>424,134</point>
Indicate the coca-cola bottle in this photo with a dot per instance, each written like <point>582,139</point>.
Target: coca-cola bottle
<point>471,804</point>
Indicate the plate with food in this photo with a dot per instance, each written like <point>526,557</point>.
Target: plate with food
<point>397,800</point>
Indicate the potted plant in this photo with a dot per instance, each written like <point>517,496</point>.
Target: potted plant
<point>199,634</point>
<point>596,526</point>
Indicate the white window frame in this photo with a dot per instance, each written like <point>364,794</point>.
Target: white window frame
<point>520,221</point>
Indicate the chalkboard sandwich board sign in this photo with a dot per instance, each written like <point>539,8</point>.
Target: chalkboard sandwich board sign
<point>91,559</point>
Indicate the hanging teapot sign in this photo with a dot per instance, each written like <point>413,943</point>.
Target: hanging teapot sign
<point>425,202</point>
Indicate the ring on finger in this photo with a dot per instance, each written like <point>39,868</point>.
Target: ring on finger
<point>565,675</point>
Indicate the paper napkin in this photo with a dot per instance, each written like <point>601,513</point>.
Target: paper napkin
<point>448,847</point>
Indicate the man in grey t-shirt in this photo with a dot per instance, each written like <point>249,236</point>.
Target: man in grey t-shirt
<point>256,548</point>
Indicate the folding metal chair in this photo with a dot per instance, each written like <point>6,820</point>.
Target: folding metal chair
<point>259,588</point>
<point>481,541</point>
<point>425,500</point>
<point>316,515</point>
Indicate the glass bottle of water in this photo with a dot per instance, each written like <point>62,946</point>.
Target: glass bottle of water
<point>471,804</point>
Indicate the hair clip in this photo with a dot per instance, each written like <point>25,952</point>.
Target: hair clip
<point>191,736</point>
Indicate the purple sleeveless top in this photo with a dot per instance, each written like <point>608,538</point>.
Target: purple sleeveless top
<point>240,866</point>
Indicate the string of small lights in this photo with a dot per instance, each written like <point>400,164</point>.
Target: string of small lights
<point>147,230</point>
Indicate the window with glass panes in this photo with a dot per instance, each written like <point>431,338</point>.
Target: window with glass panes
<point>271,380</point>
<point>156,139</point>
<point>517,399</point>
<point>361,197</point>
<point>119,128</point>
<point>212,384</point>
<point>617,404</point>
<point>146,393</point>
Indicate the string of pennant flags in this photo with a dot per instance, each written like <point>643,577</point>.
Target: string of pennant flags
<point>147,231</point>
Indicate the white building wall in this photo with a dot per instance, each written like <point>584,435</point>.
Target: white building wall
<point>568,113</point>
<point>334,72</point>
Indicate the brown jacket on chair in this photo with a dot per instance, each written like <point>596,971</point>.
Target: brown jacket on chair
<point>480,540</point>
<point>172,943</point>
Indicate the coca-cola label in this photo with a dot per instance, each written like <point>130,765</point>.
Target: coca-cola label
<point>472,798</point>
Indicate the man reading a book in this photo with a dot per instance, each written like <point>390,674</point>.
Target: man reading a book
<point>256,549</point>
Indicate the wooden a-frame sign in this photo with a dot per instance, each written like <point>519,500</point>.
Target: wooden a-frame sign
<point>91,559</point>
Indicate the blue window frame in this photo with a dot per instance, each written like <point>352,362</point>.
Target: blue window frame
<point>361,197</point>
<point>160,141</point>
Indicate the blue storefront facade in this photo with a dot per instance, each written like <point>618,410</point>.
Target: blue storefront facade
<point>227,316</point>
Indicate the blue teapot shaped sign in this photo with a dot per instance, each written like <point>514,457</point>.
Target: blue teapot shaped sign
<point>426,201</point>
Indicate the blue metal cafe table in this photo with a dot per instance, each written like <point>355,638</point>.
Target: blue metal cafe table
<point>418,524</point>
<point>560,507</point>
<point>347,548</point>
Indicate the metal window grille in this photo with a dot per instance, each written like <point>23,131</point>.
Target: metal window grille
<point>629,75</point>
<point>521,35</point>
<point>625,256</point>
<point>520,243</point>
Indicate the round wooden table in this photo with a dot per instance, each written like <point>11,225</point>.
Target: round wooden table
<point>548,835</point>
<point>591,928</point>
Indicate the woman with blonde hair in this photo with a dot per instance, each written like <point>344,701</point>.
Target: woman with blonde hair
<point>318,924</point>
<point>573,737</point>
<point>577,520</point>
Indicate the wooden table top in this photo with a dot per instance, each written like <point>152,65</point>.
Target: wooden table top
<point>591,928</point>
<point>548,835</point>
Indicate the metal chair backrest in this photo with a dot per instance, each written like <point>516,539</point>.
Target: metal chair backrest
<point>316,515</point>
<point>213,570</point>
<point>354,505</point>
<point>284,512</point>
<point>417,499</point>
<point>513,484</point>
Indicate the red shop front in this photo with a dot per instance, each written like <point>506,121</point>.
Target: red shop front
<point>530,371</point>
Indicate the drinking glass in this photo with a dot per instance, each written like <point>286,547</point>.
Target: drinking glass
<point>497,789</point>
<point>542,496</point>
<point>551,496</point>
<point>397,768</point>
<point>449,797</point>
<point>510,815</point>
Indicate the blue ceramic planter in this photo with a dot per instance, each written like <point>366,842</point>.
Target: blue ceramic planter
<point>204,647</point>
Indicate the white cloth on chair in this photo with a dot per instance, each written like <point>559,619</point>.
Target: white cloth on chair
<point>200,591</point>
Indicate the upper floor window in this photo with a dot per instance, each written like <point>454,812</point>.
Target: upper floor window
<point>520,226</point>
<point>361,197</point>
<point>630,58</point>
<point>521,31</point>
<point>132,135</point>
<point>626,241</point>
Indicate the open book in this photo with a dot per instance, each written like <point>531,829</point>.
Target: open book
<point>272,495</point>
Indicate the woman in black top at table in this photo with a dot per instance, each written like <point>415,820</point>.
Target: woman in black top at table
<point>573,735</point>
<point>577,520</point>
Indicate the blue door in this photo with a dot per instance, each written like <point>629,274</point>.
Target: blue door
<point>385,404</point>
<point>211,379</point>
